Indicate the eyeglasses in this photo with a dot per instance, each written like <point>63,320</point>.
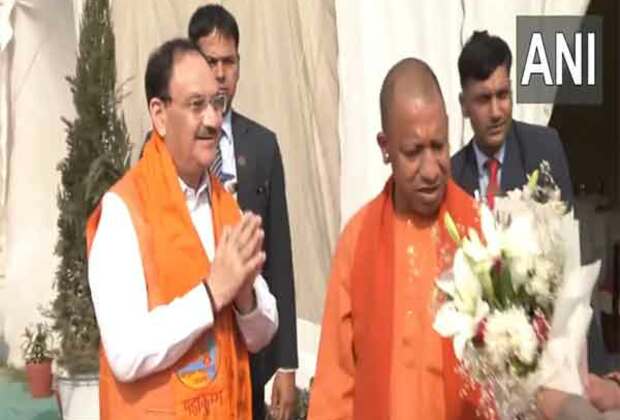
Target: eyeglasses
<point>198,104</point>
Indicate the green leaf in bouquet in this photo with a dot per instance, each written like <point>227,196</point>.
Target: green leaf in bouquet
<point>488,289</point>
<point>451,228</point>
<point>532,180</point>
<point>502,284</point>
<point>522,369</point>
<point>482,271</point>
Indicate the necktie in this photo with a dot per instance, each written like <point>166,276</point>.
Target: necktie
<point>492,166</point>
<point>216,166</point>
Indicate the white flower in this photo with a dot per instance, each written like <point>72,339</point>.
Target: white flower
<point>490,231</point>
<point>450,322</point>
<point>474,248</point>
<point>509,334</point>
<point>462,285</point>
<point>459,317</point>
<point>520,269</point>
<point>548,219</point>
<point>481,258</point>
<point>520,239</point>
<point>541,282</point>
<point>544,268</point>
<point>519,247</point>
<point>515,203</point>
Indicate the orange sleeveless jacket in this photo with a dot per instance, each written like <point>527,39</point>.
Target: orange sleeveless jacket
<point>212,380</point>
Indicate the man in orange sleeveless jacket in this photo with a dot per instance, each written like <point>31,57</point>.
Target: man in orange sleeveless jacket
<point>173,264</point>
<point>379,357</point>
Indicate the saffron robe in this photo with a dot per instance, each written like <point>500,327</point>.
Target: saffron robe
<point>379,357</point>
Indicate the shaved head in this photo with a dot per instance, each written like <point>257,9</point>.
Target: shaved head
<point>414,137</point>
<point>410,79</point>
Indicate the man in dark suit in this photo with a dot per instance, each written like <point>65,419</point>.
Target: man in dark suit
<point>503,151</point>
<point>251,166</point>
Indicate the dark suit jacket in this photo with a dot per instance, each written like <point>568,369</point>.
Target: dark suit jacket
<point>260,188</point>
<point>526,146</point>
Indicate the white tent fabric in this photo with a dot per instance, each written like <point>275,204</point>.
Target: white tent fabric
<point>6,36</point>
<point>42,54</point>
<point>78,8</point>
<point>373,36</point>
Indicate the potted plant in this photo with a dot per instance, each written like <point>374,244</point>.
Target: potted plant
<point>38,358</point>
<point>97,155</point>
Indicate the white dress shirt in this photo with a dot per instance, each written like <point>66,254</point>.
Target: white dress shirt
<point>483,174</point>
<point>139,342</point>
<point>227,147</point>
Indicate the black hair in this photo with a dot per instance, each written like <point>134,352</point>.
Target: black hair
<point>481,55</point>
<point>213,18</point>
<point>159,67</point>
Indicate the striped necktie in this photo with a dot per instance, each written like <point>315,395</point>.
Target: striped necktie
<point>216,166</point>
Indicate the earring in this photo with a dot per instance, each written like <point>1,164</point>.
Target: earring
<point>386,157</point>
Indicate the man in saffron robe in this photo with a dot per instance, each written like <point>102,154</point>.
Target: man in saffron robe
<point>379,357</point>
<point>173,265</point>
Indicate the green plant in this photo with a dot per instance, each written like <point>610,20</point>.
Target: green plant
<point>98,152</point>
<point>303,400</point>
<point>37,344</point>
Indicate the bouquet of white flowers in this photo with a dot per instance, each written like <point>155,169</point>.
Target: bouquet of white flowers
<point>517,301</point>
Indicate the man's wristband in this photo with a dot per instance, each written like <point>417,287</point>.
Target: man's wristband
<point>252,308</point>
<point>211,300</point>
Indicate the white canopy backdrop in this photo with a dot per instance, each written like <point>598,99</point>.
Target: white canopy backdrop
<point>311,71</point>
<point>40,55</point>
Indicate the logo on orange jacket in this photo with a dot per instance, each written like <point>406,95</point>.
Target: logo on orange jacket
<point>202,371</point>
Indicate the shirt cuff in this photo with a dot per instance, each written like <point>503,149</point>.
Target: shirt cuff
<point>199,298</point>
<point>287,370</point>
<point>259,326</point>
